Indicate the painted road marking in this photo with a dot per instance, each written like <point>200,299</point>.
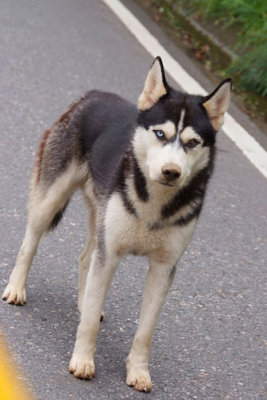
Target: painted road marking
<point>243,140</point>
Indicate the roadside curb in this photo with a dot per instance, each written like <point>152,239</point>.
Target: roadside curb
<point>175,19</point>
<point>204,34</point>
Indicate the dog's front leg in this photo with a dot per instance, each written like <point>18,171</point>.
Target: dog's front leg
<point>158,281</point>
<point>98,281</point>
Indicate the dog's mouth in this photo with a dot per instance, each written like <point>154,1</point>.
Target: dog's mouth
<point>166,183</point>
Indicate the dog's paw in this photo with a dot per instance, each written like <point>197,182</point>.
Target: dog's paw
<point>139,379</point>
<point>14,295</point>
<point>82,367</point>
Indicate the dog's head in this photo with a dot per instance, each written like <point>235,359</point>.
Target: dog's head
<point>176,130</point>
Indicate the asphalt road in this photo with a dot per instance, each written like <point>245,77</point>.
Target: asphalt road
<point>209,341</point>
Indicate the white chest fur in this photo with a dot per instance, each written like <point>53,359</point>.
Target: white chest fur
<point>126,233</point>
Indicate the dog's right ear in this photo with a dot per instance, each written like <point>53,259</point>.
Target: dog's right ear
<point>155,86</point>
<point>217,103</point>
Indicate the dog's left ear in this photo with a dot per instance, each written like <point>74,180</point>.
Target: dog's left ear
<point>155,86</point>
<point>217,103</point>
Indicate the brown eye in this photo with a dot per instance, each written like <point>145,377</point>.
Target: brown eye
<point>192,143</point>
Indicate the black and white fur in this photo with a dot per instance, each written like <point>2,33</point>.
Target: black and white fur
<point>143,172</point>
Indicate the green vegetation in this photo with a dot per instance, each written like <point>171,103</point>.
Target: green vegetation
<point>249,19</point>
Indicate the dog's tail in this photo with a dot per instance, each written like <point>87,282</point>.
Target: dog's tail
<point>57,173</point>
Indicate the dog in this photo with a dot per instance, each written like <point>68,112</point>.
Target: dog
<point>144,172</point>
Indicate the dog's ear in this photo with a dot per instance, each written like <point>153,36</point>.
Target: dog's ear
<point>155,86</point>
<point>217,103</point>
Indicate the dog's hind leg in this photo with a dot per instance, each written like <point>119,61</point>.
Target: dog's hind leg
<point>46,206</point>
<point>85,257</point>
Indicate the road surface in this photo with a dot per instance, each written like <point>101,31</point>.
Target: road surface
<point>209,341</point>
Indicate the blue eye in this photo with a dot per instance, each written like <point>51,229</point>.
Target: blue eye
<point>159,134</point>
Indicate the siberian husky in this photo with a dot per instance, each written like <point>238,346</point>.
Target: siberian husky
<point>144,172</point>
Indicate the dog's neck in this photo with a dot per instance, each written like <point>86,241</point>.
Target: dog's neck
<point>156,204</point>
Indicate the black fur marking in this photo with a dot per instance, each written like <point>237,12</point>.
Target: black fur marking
<point>140,183</point>
<point>206,98</point>
<point>100,246</point>
<point>128,204</point>
<point>162,73</point>
<point>173,139</point>
<point>172,275</point>
<point>57,218</point>
<point>155,226</point>
<point>121,184</point>
<point>193,191</point>
<point>182,145</point>
<point>189,217</point>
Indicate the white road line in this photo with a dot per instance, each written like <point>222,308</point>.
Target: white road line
<point>243,140</point>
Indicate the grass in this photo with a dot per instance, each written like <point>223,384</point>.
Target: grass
<point>249,19</point>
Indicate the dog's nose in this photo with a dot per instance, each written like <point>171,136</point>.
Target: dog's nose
<point>171,172</point>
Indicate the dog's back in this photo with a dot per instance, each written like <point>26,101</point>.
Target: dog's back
<point>96,130</point>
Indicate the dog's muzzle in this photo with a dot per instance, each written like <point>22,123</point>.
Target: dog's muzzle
<point>171,172</point>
